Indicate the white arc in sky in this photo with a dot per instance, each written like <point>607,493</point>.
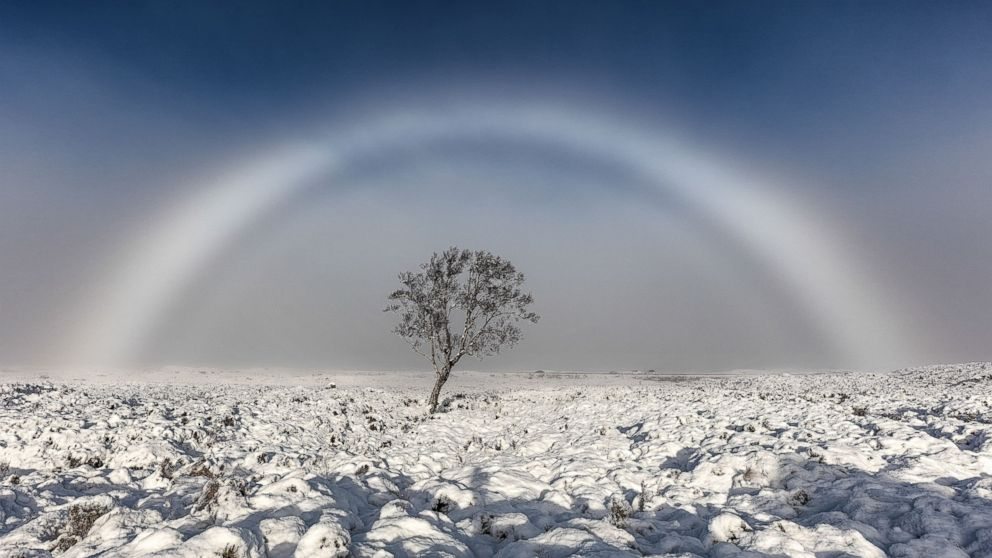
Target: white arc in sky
<point>152,274</point>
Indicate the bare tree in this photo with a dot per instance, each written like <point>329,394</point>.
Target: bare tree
<point>479,288</point>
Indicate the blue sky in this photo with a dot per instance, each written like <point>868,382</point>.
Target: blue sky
<point>874,117</point>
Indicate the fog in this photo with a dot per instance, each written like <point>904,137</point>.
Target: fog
<point>709,190</point>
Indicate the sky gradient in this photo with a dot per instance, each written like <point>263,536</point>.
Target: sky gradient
<point>696,186</point>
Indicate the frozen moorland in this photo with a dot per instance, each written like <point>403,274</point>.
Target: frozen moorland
<point>817,465</point>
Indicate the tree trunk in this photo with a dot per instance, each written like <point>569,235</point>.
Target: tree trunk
<point>436,392</point>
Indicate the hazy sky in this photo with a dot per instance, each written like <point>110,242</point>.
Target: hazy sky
<point>686,185</point>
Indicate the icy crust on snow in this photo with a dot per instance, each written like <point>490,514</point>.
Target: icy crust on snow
<point>832,465</point>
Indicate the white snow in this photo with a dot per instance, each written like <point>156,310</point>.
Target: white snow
<point>255,464</point>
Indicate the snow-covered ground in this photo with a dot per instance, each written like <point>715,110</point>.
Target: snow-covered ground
<point>238,464</point>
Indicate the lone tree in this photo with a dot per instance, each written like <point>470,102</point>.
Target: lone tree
<point>479,288</point>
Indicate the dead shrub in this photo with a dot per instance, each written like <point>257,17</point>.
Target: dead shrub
<point>799,498</point>
<point>619,512</point>
<point>80,521</point>
<point>209,495</point>
<point>200,469</point>
<point>167,468</point>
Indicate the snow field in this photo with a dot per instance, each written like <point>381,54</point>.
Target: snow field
<point>826,465</point>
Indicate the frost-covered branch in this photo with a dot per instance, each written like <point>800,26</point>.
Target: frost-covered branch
<point>490,297</point>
